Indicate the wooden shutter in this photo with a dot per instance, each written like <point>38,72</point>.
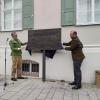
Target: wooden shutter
<point>67,12</point>
<point>27,14</point>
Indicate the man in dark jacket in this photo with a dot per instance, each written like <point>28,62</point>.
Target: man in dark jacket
<point>75,46</point>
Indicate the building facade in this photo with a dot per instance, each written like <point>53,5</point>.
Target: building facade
<point>80,15</point>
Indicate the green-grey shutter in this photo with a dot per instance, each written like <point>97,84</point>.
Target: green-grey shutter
<point>67,12</point>
<point>0,15</point>
<point>27,14</point>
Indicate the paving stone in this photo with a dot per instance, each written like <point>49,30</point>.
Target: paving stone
<point>35,89</point>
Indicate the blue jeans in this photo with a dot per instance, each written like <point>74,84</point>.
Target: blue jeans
<point>77,71</point>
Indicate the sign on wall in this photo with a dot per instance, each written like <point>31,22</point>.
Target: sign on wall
<point>45,39</point>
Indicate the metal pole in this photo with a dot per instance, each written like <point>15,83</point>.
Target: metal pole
<point>43,66</point>
<point>5,84</point>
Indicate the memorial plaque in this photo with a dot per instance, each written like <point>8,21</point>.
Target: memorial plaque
<point>45,39</point>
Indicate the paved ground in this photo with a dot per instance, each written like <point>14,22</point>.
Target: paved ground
<point>35,89</point>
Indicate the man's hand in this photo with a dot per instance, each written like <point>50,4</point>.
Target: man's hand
<point>68,48</point>
<point>24,43</point>
<point>64,43</point>
<point>18,48</point>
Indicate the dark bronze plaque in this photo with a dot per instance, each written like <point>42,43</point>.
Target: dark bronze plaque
<point>46,39</point>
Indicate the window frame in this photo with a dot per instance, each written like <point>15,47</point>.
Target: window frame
<point>12,15</point>
<point>93,22</point>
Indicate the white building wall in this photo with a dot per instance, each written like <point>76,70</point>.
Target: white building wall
<point>47,14</point>
<point>89,35</point>
<point>4,63</point>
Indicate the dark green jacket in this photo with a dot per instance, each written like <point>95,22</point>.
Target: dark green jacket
<point>75,46</point>
<point>14,45</point>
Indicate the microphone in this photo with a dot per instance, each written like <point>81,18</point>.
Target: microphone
<point>7,39</point>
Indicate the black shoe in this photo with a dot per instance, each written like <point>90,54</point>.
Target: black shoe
<point>21,78</point>
<point>13,79</point>
<point>76,87</point>
<point>72,83</point>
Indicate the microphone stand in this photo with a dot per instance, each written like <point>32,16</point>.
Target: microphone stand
<point>5,83</point>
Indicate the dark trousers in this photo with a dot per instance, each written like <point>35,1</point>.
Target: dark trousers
<point>77,71</point>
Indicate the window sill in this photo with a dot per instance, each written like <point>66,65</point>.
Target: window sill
<point>88,25</point>
<point>80,25</point>
<point>11,30</point>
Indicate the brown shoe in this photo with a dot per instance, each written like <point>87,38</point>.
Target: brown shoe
<point>13,79</point>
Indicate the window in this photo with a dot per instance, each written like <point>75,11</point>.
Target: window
<point>30,68</point>
<point>35,69</point>
<point>11,15</point>
<point>80,12</point>
<point>87,12</point>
